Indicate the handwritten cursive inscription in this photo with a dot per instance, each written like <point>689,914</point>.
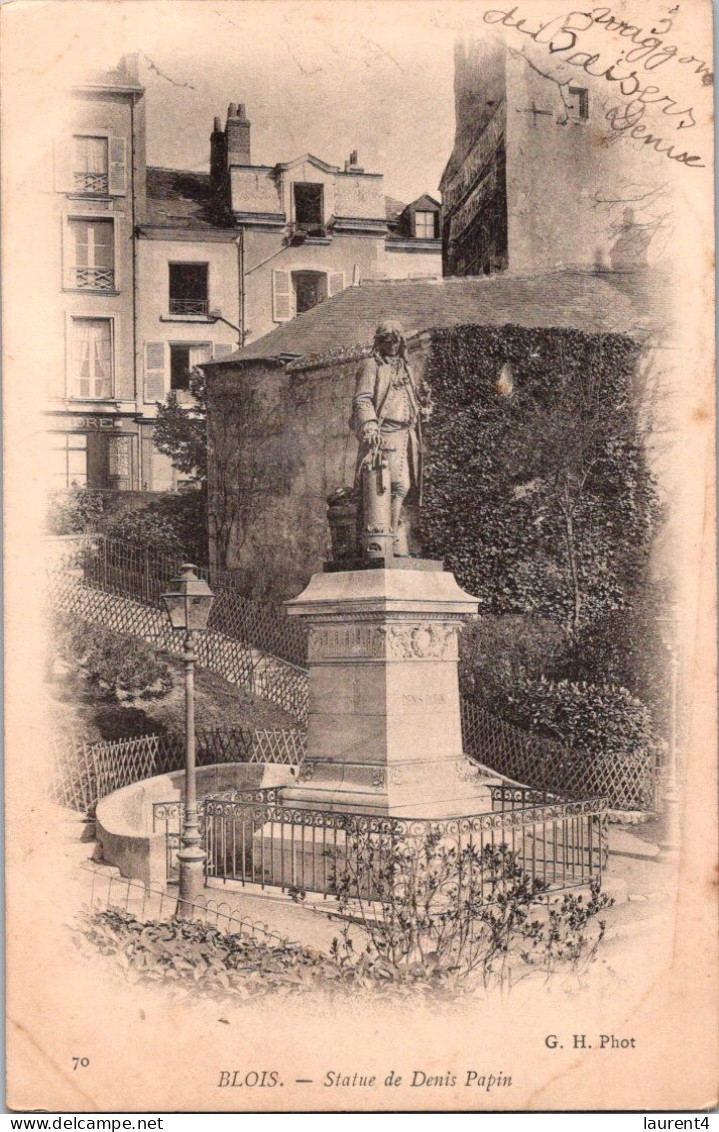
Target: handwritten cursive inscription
<point>562,35</point>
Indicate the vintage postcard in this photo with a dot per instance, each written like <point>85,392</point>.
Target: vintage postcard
<point>360,731</point>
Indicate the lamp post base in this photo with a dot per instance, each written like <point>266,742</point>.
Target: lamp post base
<point>192,881</point>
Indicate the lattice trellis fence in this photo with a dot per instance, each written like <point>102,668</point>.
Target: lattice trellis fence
<point>268,677</point>
<point>256,646</point>
<point>83,773</point>
<point>627,782</point>
<point>286,745</point>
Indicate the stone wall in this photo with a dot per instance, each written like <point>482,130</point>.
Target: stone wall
<point>300,443</point>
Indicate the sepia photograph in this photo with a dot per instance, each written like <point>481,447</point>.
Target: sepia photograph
<point>360,628</point>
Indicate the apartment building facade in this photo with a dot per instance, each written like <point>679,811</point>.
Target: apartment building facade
<point>159,270</point>
<point>91,406</point>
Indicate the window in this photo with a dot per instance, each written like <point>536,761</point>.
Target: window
<point>184,356</point>
<point>90,165</point>
<point>294,292</point>
<point>68,459</point>
<point>188,289</point>
<point>308,208</point>
<point>578,103</point>
<point>92,266</point>
<point>91,358</point>
<point>310,288</point>
<point>425,225</point>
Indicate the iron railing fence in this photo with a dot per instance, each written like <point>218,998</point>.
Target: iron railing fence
<point>92,183</point>
<point>628,782</point>
<point>154,902</point>
<point>94,278</point>
<point>83,773</point>
<point>143,575</point>
<point>252,838</point>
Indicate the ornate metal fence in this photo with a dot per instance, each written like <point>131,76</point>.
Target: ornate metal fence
<point>251,838</point>
<point>627,782</point>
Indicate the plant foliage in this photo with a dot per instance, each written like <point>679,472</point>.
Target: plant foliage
<point>434,911</point>
<point>122,668</point>
<point>538,493</point>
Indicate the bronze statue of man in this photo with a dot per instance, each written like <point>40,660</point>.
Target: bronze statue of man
<point>388,408</point>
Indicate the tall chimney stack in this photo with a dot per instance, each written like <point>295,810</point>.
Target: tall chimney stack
<point>237,135</point>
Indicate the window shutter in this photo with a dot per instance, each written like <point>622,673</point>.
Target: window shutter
<point>222,350</point>
<point>118,172</point>
<point>281,296</point>
<point>64,181</point>
<point>336,282</point>
<point>154,371</point>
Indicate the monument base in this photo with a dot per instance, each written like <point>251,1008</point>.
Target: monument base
<point>383,731</point>
<point>410,789</point>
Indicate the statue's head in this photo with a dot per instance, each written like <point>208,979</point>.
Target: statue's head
<point>389,340</point>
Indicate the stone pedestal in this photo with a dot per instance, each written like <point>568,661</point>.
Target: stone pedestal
<point>384,732</point>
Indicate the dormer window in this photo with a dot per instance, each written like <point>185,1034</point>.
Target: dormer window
<point>426,225</point>
<point>308,202</point>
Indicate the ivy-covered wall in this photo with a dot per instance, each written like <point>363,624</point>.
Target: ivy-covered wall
<point>537,493</point>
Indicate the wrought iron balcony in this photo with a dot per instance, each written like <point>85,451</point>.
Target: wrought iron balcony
<point>298,232</point>
<point>94,278</point>
<point>92,183</point>
<point>189,306</point>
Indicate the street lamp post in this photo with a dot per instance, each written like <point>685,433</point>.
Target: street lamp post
<point>188,605</point>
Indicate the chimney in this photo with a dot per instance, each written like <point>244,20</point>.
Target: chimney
<point>352,165</point>
<point>237,135</point>
<point>218,158</point>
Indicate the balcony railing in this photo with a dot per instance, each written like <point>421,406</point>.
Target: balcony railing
<point>92,183</point>
<point>94,278</point>
<point>301,230</point>
<point>189,306</point>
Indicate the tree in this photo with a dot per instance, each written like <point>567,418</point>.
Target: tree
<point>247,456</point>
<point>180,432</point>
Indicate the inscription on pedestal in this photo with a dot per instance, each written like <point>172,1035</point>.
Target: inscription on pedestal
<point>396,640</point>
<point>345,642</point>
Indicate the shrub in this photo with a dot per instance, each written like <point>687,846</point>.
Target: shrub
<point>185,511</point>
<point>437,912</point>
<point>200,958</point>
<point>124,668</point>
<point>497,652</point>
<point>537,490</point>
<point>599,719</point>
<point>146,531</point>
<point>75,511</point>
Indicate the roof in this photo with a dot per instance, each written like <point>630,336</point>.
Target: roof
<point>178,197</point>
<point>569,299</point>
<point>123,78</point>
<point>393,208</point>
<point>425,201</point>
